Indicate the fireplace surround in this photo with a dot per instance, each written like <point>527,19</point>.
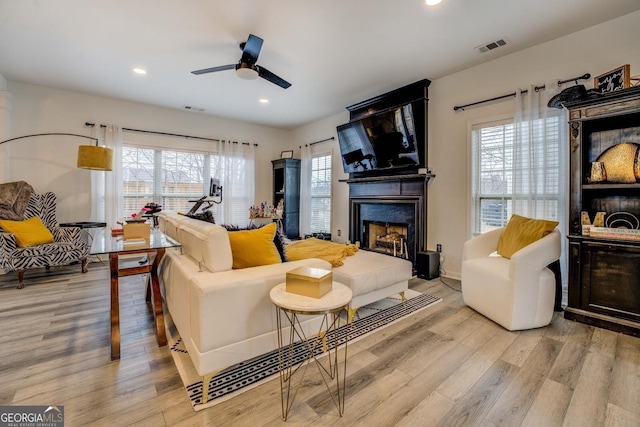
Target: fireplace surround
<point>388,208</point>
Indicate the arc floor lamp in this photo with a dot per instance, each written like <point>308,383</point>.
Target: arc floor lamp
<point>91,157</point>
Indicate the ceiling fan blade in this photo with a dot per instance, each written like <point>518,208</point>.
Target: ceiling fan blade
<point>268,75</point>
<point>251,49</point>
<point>214,69</point>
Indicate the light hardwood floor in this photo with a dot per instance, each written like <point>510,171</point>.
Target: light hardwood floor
<point>446,365</point>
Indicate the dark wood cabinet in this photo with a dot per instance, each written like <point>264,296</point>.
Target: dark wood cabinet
<point>286,189</point>
<point>604,273</point>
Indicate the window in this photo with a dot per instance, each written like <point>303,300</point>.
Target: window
<point>174,179</point>
<point>169,178</point>
<point>505,181</point>
<point>321,193</point>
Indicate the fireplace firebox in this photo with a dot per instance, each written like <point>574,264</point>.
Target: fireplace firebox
<point>388,238</point>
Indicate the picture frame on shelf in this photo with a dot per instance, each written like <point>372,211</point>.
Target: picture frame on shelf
<point>611,81</point>
<point>286,154</point>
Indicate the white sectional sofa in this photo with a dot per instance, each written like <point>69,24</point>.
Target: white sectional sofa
<point>225,315</point>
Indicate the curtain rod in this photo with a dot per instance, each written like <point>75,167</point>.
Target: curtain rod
<point>202,138</point>
<point>537,88</point>
<point>318,142</point>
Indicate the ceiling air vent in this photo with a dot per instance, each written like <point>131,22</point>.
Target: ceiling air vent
<point>192,108</point>
<point>491,46</point>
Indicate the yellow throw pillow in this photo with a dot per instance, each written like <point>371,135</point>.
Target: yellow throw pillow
<point>251,248</point>
<point>30,232</point>
<point>522,231</point>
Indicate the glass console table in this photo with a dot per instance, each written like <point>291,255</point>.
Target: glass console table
<point>154,248</point>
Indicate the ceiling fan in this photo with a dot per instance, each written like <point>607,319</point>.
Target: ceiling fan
<point>247,68</point>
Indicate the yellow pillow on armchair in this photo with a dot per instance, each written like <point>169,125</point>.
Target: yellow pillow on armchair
<point>30,232</point>
<point>522,231</point>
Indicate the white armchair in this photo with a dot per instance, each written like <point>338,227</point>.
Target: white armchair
<point>517,293</point>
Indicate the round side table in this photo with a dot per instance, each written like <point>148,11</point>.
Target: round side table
<point>327,342</point>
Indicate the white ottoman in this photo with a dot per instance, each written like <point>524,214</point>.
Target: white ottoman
<point>373,276</point>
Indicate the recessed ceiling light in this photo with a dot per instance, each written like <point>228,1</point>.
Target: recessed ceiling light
<point>139,70</point>
<point>263,100</point>
<point>432,2</point>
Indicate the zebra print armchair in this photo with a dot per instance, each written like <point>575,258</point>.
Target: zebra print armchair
<point>68,245</point>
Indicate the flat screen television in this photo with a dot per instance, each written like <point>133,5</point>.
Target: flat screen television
<point>384,140</point>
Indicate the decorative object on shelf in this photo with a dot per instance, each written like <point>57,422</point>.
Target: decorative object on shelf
<point>598,172</point>
<point>613,80</point>
<point>587,225</point>
<point>571,94</point>
<point>617,226</point>
<point>91,157</point>
<point>286,154</point>
<point>622,220</point>
<point>266,210</point>
<point>621,162</point>
<point>615,233</point>
<point>635,80</point>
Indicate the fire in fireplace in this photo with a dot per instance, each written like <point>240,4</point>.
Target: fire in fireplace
<point>388,238</point>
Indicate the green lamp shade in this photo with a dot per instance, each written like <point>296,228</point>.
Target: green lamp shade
<point>95,158</point>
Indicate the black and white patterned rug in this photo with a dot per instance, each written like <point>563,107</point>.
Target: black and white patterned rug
<point>251,373</point>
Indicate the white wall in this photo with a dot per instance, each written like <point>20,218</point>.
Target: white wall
<point>595,50</point>
<point>49,163</point>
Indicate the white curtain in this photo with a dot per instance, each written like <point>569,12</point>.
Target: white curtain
<point>106,187</point>
<point>540,150</point>
<point>305,190</point>
<point>235,169</point>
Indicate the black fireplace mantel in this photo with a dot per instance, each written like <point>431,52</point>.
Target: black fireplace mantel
<point>412,176</point>
<point>392,199</point>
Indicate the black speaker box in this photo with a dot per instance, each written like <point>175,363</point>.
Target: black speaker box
<point>428,265</point>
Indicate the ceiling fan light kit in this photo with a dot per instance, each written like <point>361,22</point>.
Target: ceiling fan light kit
<point>246,72</point>
<point>247,67</point>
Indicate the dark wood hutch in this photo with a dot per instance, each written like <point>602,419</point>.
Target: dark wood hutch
<point>604,273</point>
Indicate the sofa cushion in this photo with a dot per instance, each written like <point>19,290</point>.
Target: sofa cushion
<point>30,232</point>
<point>253,248</point>
<point>170,223</point>
<point>206,243</point>
<point>368,271</point>
<point>522,231</point>
<point>278,239</point>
